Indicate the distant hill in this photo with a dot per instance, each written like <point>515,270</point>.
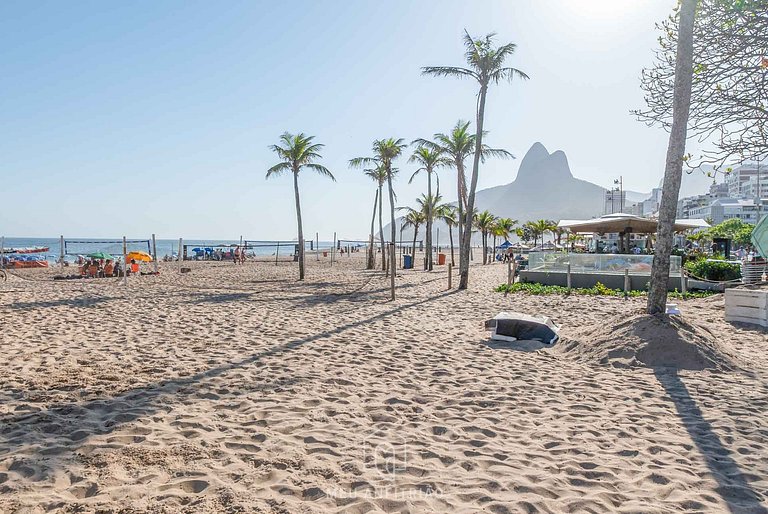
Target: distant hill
<point>545,188</point>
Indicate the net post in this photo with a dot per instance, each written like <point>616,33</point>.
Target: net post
<point>277,252</point>
<point>61,251</point>
<point>626,282</point>
<point>333,249</point>
<point>683,282</point>
<point>125,261</point>
<point>154,251</point>
<point>180,257</point>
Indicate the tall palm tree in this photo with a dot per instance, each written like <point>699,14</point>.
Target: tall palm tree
<point>486,66</point>
<point>456,146</point>
<point>385,151</point>
<point>298,152</point>
<point>379,174</point>
<point>484,222</point>
<point>429,160</point>
<point>415,218</point>
<point>447,214</point>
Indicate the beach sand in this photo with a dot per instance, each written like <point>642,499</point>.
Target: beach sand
<point>240,389</point>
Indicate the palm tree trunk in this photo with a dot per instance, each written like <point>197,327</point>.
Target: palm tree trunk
<point>428,266</point>
<point>392,259</point>
<point>493,250</point>
<point>657,295</point>
<point>371,249</point>
<point>460,174</point>
<point>467,236</point>
<point>381,232</point>
<point>450,237</point>
<point>298,220</point>
<point>413,251</point>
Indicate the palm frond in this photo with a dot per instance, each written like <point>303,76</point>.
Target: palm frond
<point>359,162</point>
<point>322,170</point>
<point>449,71</point>
<point>278,169</point>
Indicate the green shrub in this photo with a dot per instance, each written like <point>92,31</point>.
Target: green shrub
<point>598,289</point>
<point>711,269</point>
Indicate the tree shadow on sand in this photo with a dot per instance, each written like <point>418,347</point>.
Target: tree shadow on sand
<point>88,302</point>
<point>60,430</point>
<point>733,486</point>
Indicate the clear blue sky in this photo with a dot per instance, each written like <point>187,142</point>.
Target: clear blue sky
<point>138,117</point>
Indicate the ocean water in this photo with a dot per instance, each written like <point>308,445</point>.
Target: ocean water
<point>169,247</point>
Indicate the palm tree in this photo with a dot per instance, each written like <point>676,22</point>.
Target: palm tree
<point>539,228</point>
<point>456,146</point>
<point>429,159</point>
<point>447,213</point>
<point>378,174</point>
<point>506,226</point>
<point>484,222</point>
<point>385,151</point>
<point>486,66</point>
<point>415,218</point>
<point>298,151</point>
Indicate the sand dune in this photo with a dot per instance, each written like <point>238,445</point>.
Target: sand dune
<point>238,389</point>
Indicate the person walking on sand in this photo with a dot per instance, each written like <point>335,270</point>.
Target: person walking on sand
<point>236,255</point>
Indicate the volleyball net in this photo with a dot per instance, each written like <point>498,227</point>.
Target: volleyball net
<point>113,247</point>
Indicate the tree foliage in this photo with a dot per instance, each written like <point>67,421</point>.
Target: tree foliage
<point>729,97</point>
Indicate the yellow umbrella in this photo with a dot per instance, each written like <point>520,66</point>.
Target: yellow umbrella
<point>139,256</point>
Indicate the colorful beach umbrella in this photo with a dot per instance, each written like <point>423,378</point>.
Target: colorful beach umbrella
<point>139,256</point>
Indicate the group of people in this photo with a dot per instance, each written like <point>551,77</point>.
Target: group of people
<point>100,268</point>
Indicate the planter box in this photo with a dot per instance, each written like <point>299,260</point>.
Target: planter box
<point>747,306</point>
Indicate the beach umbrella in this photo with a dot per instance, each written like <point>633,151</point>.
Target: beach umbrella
<point>100,255</point>
<point>139,256</point>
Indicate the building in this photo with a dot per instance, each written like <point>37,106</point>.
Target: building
<point>615,201</point>
<point>721,209</point>
<point>746,177</point>
<point>685,205</point>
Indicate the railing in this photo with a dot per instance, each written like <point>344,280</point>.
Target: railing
<point>597,263</point>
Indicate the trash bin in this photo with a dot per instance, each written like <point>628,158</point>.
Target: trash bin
<point>440,259</point>
<point>325,254</point>
<point>407,261</point>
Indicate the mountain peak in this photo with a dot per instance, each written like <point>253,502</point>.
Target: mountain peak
<point>539,165</point>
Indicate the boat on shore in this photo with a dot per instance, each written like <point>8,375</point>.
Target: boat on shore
<point>31,249</point>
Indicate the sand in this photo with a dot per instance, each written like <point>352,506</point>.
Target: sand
<point>239,389</point>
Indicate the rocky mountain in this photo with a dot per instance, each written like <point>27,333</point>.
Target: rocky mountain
<point>545,188</point>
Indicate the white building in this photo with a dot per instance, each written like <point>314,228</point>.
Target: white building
<point>746,176</point>
<point>615,201</point>
<point>723,209</point>
<point>685,205</point>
